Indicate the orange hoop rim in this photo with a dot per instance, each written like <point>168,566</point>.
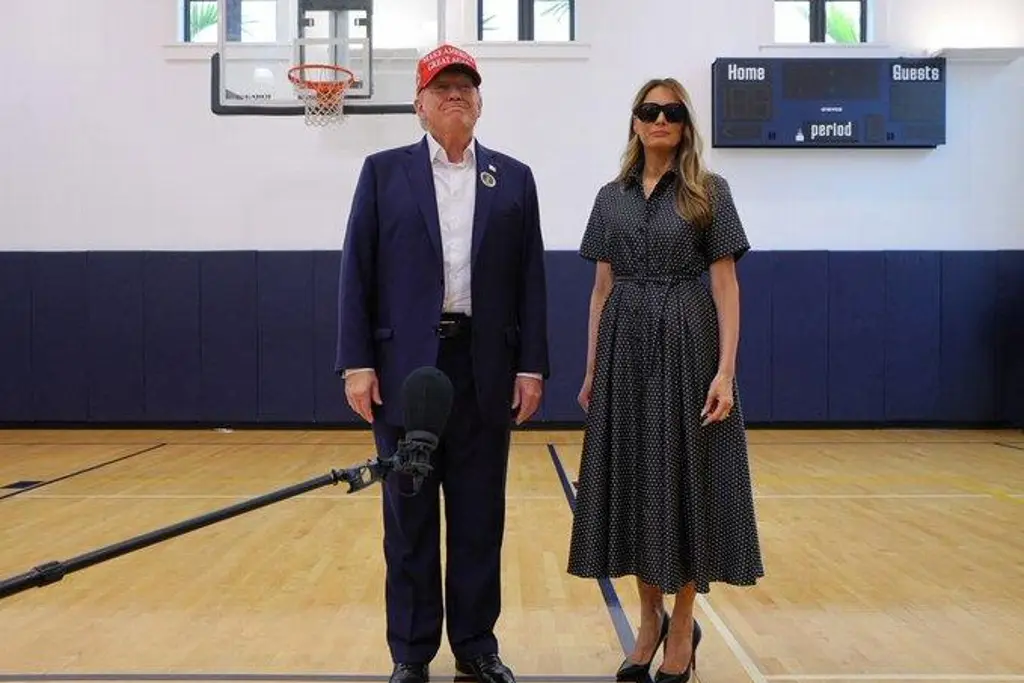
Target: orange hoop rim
<point>321,87</point>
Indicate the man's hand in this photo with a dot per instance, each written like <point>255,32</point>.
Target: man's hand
<point>526,397</point>
<point>360,389</point>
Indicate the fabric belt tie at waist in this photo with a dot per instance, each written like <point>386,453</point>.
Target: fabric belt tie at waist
<point>657,279</point>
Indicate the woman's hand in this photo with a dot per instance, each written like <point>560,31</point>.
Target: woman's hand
<point>719,403</point>
<point>584,396</point>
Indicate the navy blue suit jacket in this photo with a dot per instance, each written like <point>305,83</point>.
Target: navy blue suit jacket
<point>392,278</point>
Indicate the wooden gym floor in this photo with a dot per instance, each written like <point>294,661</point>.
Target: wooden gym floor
<point>891,556</point>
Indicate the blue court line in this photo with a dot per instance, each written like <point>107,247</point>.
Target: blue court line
<point>82,471</point>
<point>611,598</point>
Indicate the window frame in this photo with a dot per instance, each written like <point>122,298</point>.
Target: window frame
<point>525,31</point>
<point>234,19</point>
<point>818,18</point>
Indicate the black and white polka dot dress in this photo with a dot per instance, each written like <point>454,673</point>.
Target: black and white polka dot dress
<point>661,497</point>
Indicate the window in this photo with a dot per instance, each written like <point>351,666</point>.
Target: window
<point>512,20</point>
<point>248,21</point>
<point>821,21</point>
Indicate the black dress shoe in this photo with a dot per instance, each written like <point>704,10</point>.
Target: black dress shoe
<point>485,669</point>
<point>632,671</point>
<point>410,673</point>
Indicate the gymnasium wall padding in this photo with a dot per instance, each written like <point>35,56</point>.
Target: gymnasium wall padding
<point>1010,337</point>
<point>912,325</point>
<point>754,358</point>
<point>16,395</point>
<point>116,315</point>
<point>287,343</point>
<point>171,338</point>
<point>798,289</point>
<point>246,337</point>
<point>229,336</point>
<point>62,360</point>
<point>329,399</point>
<point>856,336</point>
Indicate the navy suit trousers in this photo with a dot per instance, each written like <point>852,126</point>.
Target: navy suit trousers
<point>470,467</point>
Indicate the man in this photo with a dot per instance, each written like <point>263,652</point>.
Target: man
<point>442,265</point>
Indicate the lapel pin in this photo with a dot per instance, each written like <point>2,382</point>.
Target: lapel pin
<point>487,179</point>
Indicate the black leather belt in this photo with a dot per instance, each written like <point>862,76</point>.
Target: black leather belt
<point>453,325</point>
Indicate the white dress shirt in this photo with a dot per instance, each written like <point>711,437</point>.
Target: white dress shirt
<point>455,192</point>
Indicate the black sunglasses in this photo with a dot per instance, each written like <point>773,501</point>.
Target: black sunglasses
<point>647,112</point>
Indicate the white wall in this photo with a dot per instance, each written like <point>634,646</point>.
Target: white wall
<point>107,141</point>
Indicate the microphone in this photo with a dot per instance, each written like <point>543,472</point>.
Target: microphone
<point>427,396</point>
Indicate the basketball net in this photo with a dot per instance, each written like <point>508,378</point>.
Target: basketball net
<point>321,87</point>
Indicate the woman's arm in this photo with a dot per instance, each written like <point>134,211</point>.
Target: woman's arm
<point>598,295</point>
<point>725,290</point>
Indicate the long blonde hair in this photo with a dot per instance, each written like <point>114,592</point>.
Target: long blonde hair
<point>692,198</point>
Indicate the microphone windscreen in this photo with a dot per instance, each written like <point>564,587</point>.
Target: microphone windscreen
<point>427,396</point>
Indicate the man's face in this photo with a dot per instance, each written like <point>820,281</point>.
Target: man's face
<point>450,102</point>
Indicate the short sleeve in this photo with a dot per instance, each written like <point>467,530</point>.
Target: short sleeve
<point>726,236</point>
<point>594,246</point>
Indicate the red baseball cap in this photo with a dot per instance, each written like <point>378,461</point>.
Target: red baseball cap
<point>445,57</point>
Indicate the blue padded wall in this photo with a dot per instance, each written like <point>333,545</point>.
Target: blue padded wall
<point>248,337</point>
<point>284,292</point>
<point>58,387</point>
<point>173,343</point>
<point>912,326</point>
<point>570,282</point>
<point>1009,314</point>
<point>329,397</point>
<point>229,336</point>
<point>115,346</point>
<point>754,356</point>
<point>856,336</point>
<point>799,336</point>
<point>968,337</point>
<point>16,396</point>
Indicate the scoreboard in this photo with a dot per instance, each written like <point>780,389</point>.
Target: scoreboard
<point>824,102</point>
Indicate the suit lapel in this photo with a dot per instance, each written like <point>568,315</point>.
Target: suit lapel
<point>421,177</point>
<point>485,192</point>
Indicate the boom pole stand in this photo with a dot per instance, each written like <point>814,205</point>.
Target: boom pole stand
<point>358,477</point>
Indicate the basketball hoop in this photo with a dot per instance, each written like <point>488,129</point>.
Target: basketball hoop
<point>321,87</point>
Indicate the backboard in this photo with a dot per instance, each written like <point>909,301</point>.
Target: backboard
<point>379,41</point>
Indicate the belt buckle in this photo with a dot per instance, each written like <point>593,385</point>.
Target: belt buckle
<point>447,329</point>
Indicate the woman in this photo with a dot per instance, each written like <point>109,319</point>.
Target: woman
<point>664,489</point>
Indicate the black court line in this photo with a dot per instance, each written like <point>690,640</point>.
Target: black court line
<point>85,470</point>
<point>207,444</point>
<point>310,678</point>
<point>611,598</point>
<point>1014,446</point>
<point>621,623</point>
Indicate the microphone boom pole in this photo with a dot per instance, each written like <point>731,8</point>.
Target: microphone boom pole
<point>358,477</point>
<point>426,397</point>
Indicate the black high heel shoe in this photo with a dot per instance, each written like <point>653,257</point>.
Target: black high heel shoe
<point>631,671</point>
<point>684,676</point>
